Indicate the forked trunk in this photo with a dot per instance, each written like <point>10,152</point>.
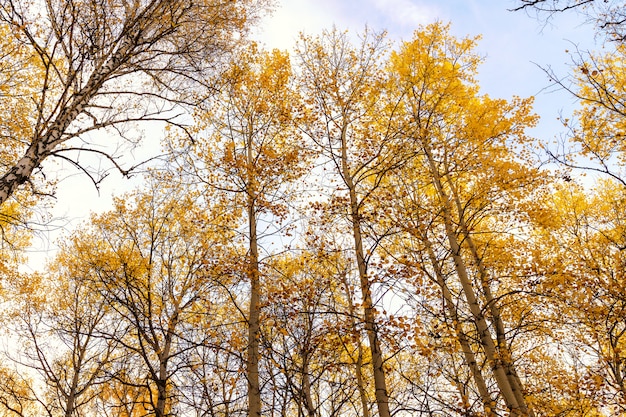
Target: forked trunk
<point>507,390</point>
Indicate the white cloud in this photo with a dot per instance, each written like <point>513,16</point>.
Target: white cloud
<point>399,17</point>
<point>281,29</point>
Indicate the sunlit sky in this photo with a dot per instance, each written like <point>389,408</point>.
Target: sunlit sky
<point>514,45</point>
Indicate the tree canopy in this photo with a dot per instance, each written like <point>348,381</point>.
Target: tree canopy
<point>352,229</point>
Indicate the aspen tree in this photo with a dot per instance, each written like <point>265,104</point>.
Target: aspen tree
<point>460,138</point>
<point>249,151</point>
<point>355,133</point>
<point>59,322</point>
<point>150,258</point>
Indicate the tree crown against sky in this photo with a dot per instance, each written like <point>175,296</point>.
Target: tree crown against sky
<point>101,66</point>
<point>433,267</point>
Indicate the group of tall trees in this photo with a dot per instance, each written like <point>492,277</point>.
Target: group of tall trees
<point>353,230</point>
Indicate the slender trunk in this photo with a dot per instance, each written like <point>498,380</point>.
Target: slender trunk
<point>468,353</point>
<point>365,410</point>
<point>164,356</point>
<point>358,366</point>
<point>306,387</point>
<point>161,398</point>
<point>503,348</point>
<point>380,384</point>
<point>71,398</point>
<point>616,365</point>
<point>306,394</point>
<point>73,394</point>
<point>482,326</point>
<point>254,388</point>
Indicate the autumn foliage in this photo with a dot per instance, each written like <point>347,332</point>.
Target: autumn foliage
<point>352,230</point>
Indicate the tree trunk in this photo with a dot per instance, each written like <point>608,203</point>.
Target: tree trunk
<point>503,348</point>
<point>306,387</point>
<point>358,366</point>
<point>254,387</point>
<point>500,374</point>
<point>380,384</point>
<point>468,353</point>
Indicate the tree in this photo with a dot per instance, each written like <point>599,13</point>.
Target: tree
<point>595,130</point>
<point>311,334</point>
<point>290,331</point>
<point>584,254</point>
<point>355,134</point>
<point>465,162</point>
<point>59,324</point>
<point>100,65</point>
<point>583,243</point>
<point>152,259</point>
<point>249,149</point>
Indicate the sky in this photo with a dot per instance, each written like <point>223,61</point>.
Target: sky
<point>514,44</point>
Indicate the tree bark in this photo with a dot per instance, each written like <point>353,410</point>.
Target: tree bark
<point>252,362</point>
<point>504,384</point>
<point>380,384</point>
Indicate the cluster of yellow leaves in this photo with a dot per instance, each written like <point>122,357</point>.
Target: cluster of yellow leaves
<point>583,263</point>
<point>248,141</point>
